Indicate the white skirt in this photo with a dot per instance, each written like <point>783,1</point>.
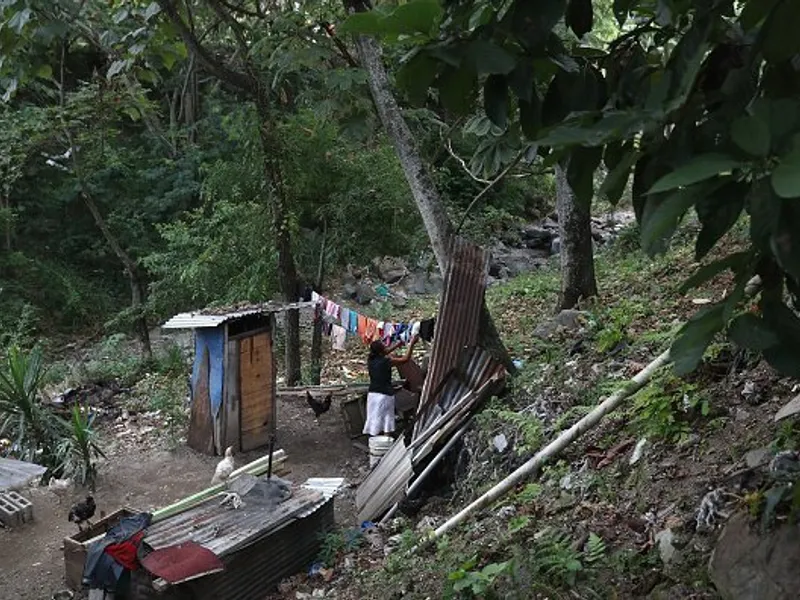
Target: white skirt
<point>380,414</point>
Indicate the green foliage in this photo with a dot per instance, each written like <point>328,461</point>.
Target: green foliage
<point>475,583</point>
<point>79,448</point>
<point>703,97</point>
<point>336,543</point>
<point>33,430</point>
<point>666,406</point>
<point>526,428</point>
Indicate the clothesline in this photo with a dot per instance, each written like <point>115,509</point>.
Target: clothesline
<point>338,322</point>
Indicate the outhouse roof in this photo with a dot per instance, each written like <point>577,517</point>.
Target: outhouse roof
<point>214,317</point>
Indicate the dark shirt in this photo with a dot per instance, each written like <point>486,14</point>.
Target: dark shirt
<point>380,375</point>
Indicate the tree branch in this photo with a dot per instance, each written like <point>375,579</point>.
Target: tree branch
<point>340,45</point>
<point>242,81</point>
<point>448,144</point>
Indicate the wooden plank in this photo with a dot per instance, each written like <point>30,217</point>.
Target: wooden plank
<point>256,385</point>
<point>232,397</point>
<point>201,428</point>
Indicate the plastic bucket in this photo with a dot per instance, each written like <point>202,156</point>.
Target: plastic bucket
<point>378,446</point>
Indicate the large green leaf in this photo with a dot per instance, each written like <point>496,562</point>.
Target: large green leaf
<point>764,208</point>
<point>495,100</point>
<point>415,16</point>
<point>694,337</point>
<point>699,168</point>
<point>583,162</point>
<point>785,241</point>
<point>580,17</point>
<point>779,35</point>
<point>754,12</point>
<point>661,216</point>
<point>532,22</point>
<point>617,179</point>
<point>417,75</point>
<point>530,116</point>
<point>786,177</point>
<point>751,134</point>
<point>19,19</point>
<point>718,212</point>
<point>751,332</point>
<point>489,58</point>
<point>457,88</point>
<point>711,270</point>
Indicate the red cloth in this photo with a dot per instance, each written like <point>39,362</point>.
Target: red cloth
<point>182,562</point>
<point>125,552</point>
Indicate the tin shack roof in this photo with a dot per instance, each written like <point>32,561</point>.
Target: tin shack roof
<point>15,474</point>
<point>224,531</point>
<point>214,317</point>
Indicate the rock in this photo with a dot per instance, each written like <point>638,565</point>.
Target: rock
<point>571,319</point>
<point>742,415</point>
<point>506,512</point>
<point>666,550</point>
<point>555,246</point>
<point>364,294</point>
<point>500,442</point>
<point>748,566</point>
<point>535,237</point>
<point>512,262</point>
<point>790,409</point>
<point>390,269</point>
<point>638,451</point>
<point>757,457</point>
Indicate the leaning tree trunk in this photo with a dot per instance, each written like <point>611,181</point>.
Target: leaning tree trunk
<point>577,257</point>
<point>430,206</point>
<point>287,271</point>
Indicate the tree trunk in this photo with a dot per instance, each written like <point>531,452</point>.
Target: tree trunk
<point>577,255</point>
<point>287,271</point>
<point>431,208</point>
<point>316,338</point>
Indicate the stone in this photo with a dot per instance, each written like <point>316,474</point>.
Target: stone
<point>666,549</point>
<point>790,409</point>
<point>364,294</point>
<point>535,237</point>
<point>757,457</point>
<point>390,269</point>
<point>555,246</point>
<point>749,566</point>
<point>571,319</point>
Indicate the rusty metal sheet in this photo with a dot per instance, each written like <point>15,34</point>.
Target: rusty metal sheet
<point>458,319</point>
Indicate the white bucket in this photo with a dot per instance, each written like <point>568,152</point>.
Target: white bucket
<point>378,446</point>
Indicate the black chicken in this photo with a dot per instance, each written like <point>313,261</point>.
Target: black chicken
<point>317,406</point>
<point>82,512</point>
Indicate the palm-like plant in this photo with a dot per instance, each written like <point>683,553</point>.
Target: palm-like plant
<point>32,429</point>
<point>78,449</point>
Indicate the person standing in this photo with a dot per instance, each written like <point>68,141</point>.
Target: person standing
<point>380,399</point>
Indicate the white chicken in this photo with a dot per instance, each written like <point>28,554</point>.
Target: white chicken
<point>60,487</point>
<point>224,467</point>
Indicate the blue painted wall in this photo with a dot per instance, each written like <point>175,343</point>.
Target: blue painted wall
<point>212,339</point>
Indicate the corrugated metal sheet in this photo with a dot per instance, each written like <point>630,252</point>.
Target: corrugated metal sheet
<point>252,572</point>
<point>224,531</point>
<point>201,319</point>
<point>328,487</point>
<point>458,319</point>
<point>386,483</point>
<point>15,474</point>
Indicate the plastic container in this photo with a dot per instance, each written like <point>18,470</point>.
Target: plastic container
<point>378,446</point>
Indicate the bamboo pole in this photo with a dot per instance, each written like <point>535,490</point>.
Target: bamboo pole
<point>553,448</point>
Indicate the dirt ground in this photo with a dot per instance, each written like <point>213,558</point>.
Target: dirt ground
<point>145,471</point>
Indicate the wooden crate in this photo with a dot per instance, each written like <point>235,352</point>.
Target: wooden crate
<point>76,546</point>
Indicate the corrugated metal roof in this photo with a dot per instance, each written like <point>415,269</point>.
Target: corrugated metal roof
<point>458,320</point>
<point>16,474</point>
<point>386,483</point>
<point>223,530</point>
<point>209,318</point>
<point>327,486</point>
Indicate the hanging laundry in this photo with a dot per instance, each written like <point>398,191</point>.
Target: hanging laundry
<point>388,333</point>
<point>426,328</point>
<point>371,331</point>
<point>415,329</point>
<point>338,337</point>
<point>353,325</point>
<point>362,328</point>
<point>332,309</point>
<point>345,317</point>
<point>315,297</point>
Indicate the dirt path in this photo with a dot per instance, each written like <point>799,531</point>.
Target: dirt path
<point>143,473</point>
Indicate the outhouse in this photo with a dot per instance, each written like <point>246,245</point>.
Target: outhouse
<point>233,381</point>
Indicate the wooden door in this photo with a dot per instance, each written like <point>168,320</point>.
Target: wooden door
<point>257,389</point>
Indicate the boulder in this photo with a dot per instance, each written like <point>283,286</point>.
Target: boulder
<point>390,269</point>
<point>536,237</point>
<point>748,566</point>
<point>515,261</point>
<point>364,294</point>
